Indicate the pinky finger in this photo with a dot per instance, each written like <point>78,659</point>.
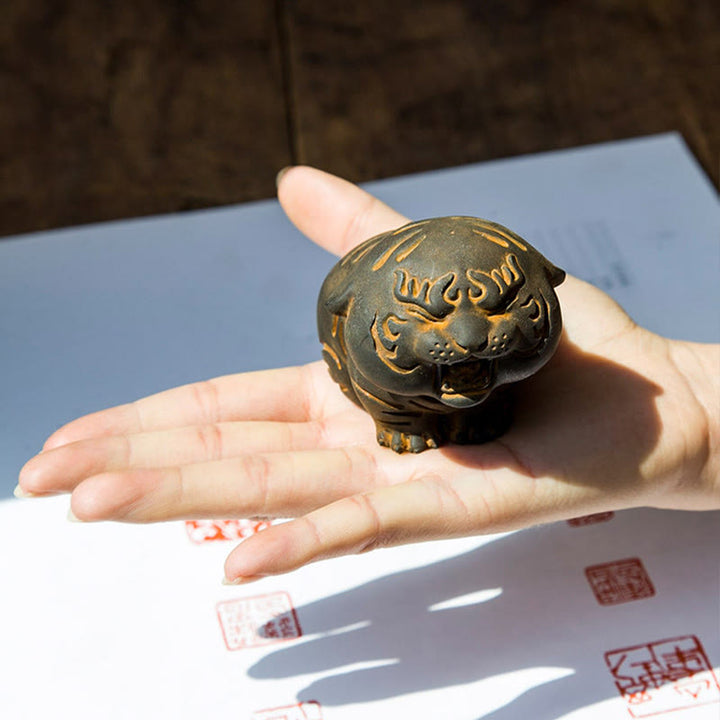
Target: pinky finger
<point>403,513</point>
<point>428,508</point>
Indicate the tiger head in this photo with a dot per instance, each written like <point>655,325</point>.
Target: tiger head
<point>445,310</point>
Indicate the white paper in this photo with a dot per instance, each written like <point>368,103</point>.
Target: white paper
<point>117,621</point>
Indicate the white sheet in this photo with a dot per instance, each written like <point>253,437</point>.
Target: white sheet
<point>116,622</point>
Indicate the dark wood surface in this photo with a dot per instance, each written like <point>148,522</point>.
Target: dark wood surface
<point>114,110</point>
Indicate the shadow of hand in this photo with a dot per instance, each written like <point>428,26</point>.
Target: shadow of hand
<point>500,609</point>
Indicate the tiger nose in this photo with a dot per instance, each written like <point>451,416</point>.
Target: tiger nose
<point>470,333</point>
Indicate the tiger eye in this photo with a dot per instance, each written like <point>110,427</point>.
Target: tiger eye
<point>427,327</point>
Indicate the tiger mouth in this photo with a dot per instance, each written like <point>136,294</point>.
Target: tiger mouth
<point>465,384</point>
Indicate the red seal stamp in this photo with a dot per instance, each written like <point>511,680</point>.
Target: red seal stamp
<point>255,621</point>
<point>202,531</point>
<point>663,676</point>
<point>619,581</point>
<point>591,519</point>
<point>301,711</point>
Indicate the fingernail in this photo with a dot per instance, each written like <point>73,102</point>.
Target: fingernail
<point>72,518</point>
<point>281,174</point>
<point>18,492</point>
<point>242,580</point>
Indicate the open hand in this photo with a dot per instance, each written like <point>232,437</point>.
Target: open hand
<point>620,417</point>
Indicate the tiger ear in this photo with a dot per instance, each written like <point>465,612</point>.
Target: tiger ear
<point>554,274</point>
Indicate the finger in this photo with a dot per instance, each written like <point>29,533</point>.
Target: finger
<point>286,394</point>
<point>338,215</point>
<point>426,509</point>
<point>591,317</point>
<point>62,469</point>
<point>333,212</point>
<point>268,485</point>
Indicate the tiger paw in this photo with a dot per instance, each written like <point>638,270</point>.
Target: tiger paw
<point>402,442</point>
<point>481,425</point>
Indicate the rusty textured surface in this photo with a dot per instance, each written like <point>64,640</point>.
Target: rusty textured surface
<point>114,110</point>
<point>426,326</point>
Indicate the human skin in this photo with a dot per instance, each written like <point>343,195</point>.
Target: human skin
<point>620,418</point>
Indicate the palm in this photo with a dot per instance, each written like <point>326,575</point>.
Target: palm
<point>586,437</point>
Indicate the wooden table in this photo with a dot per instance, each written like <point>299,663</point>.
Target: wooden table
<point>114,110</point>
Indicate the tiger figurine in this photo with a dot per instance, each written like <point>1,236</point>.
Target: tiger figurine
<point>423,327</point>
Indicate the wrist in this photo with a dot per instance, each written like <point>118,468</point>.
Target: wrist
<point>699,365</point>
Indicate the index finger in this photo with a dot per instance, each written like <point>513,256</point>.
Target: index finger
<point>284,394</point>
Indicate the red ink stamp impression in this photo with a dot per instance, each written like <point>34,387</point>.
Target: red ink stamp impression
<point>591,519</point>
<point>301,711</point>
<point>663,676</point>
<point>202,531</point>
<point>255,621</point>
<point>620,581</point>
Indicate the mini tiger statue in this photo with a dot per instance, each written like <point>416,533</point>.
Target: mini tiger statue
<point>425,327</point>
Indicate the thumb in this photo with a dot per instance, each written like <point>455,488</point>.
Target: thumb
<point>332,212</point>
